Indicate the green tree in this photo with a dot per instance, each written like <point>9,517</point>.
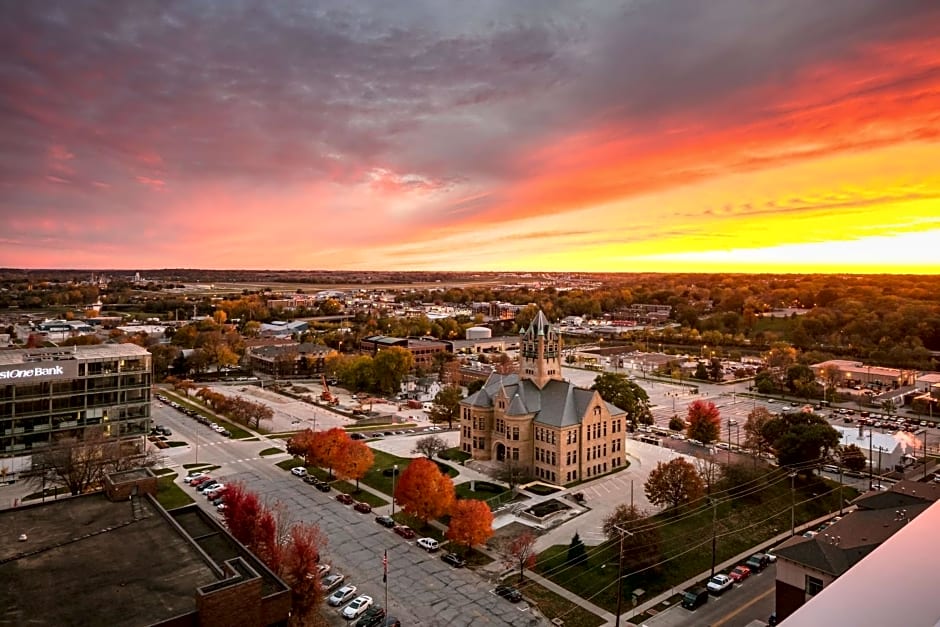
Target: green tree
<point>801,437</point>
<point>676,424</point>
<point>577,553</point>
<point>621,392</point>
<point>390,366</point>
<point>852,457</point>
<point>701,371</point>
<point>446,406</point>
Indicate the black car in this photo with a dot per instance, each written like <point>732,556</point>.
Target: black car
<point>372,617</point>
<point>323,486</point>
<point>453,560</point>
<point>757,562</point>
<point>385,521</point>
<point>509,593</point>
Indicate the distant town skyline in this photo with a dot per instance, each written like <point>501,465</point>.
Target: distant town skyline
<point>534,135</point>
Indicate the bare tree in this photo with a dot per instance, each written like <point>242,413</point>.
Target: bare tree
<point>429,446</point>
<point>80,464</point>
<point>510,471</point>
<point>710,471</point>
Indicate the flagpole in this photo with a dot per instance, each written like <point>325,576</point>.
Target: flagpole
<point>385,578</point>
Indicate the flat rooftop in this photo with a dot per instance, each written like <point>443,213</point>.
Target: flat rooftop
<point>98,351</point>
<point>90,561</point>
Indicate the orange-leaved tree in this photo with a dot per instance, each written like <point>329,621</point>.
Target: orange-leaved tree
<point>327,446</point>
<point>704,422</point>
<point>354,460</point>
<point>471,522</point>
<point>423,491</point>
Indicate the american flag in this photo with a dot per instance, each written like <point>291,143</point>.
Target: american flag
<point>385,567</point>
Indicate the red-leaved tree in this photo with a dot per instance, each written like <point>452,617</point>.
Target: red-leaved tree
<point>471,522</point>
<point>423,491</point>
<point>301,556</point>
<point>521,552</point>
<point>704,422</point>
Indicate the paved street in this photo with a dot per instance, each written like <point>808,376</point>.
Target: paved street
<point>747,601</point>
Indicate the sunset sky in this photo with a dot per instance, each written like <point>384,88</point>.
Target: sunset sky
<point>656,135</point>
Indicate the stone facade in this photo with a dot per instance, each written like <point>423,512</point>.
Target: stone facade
<point>554,430</point>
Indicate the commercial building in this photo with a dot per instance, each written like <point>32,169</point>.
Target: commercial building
<point>47,393</point>
<point>288,360</point>
<point>423,350</point>
<point>118,558</point>
<point>554,430</point>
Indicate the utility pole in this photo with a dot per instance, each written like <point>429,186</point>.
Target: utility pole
<point>394,472</point>
<point>714,533</point>
<point>840,490</point>
<point>623,533</point>
<point>792,505</point>
<point>871,482</point>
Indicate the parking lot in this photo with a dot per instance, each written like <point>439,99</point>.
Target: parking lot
<point>422,589</point>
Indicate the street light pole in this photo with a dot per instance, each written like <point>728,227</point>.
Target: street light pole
<point>394,472</point>
<point>714,533</point>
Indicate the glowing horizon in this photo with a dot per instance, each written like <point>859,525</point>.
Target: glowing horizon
<point>593,137</point>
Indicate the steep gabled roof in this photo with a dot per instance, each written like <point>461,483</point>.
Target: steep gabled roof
<point>516,406</point>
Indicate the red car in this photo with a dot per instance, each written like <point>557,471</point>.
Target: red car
<point>201,480</point>
<point>739,574</point>
<point>365,508</point>
<point>345,499</point>
<point>405,531</point>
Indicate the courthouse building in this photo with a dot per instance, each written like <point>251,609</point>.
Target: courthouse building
<point>554,430</point>
<point>47,393</point>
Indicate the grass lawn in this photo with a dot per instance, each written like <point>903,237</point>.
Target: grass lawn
<point>287,464</point>
<point>175,443</point>
<point>375,479</point>
<point>685,540</point>
<point>554,606</point>
<point>484,491</point>
<point>271,451</point>
<point>362,495</point>
<point>169,494</point>
<point>455,455</point>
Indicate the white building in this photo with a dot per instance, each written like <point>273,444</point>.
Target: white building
<point>886,448</point>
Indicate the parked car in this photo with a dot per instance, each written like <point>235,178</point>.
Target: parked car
<point>299,471</point>
<point>405,531</point>
<point>323,570</point>
<point>739,573</point>
<point>200,480</point>
<point>429,544</point>
<point>757,562</point>
<point>345,499</point>
<point>365,508</point>
<point>357,606</point>
<point>196,475</point>
<point>372,617</point>
<point>694,598</point>
<point>772,556</point>
<point>323,486</point>
<point>453,560</point>
<point>385,521</point>
<point>208,485</point>
<point>342,595</point>
<point>509,593</point>
<point>311,480</point>
<point>331,581</point>
<point>215,492</point>
<point>718,584</point>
